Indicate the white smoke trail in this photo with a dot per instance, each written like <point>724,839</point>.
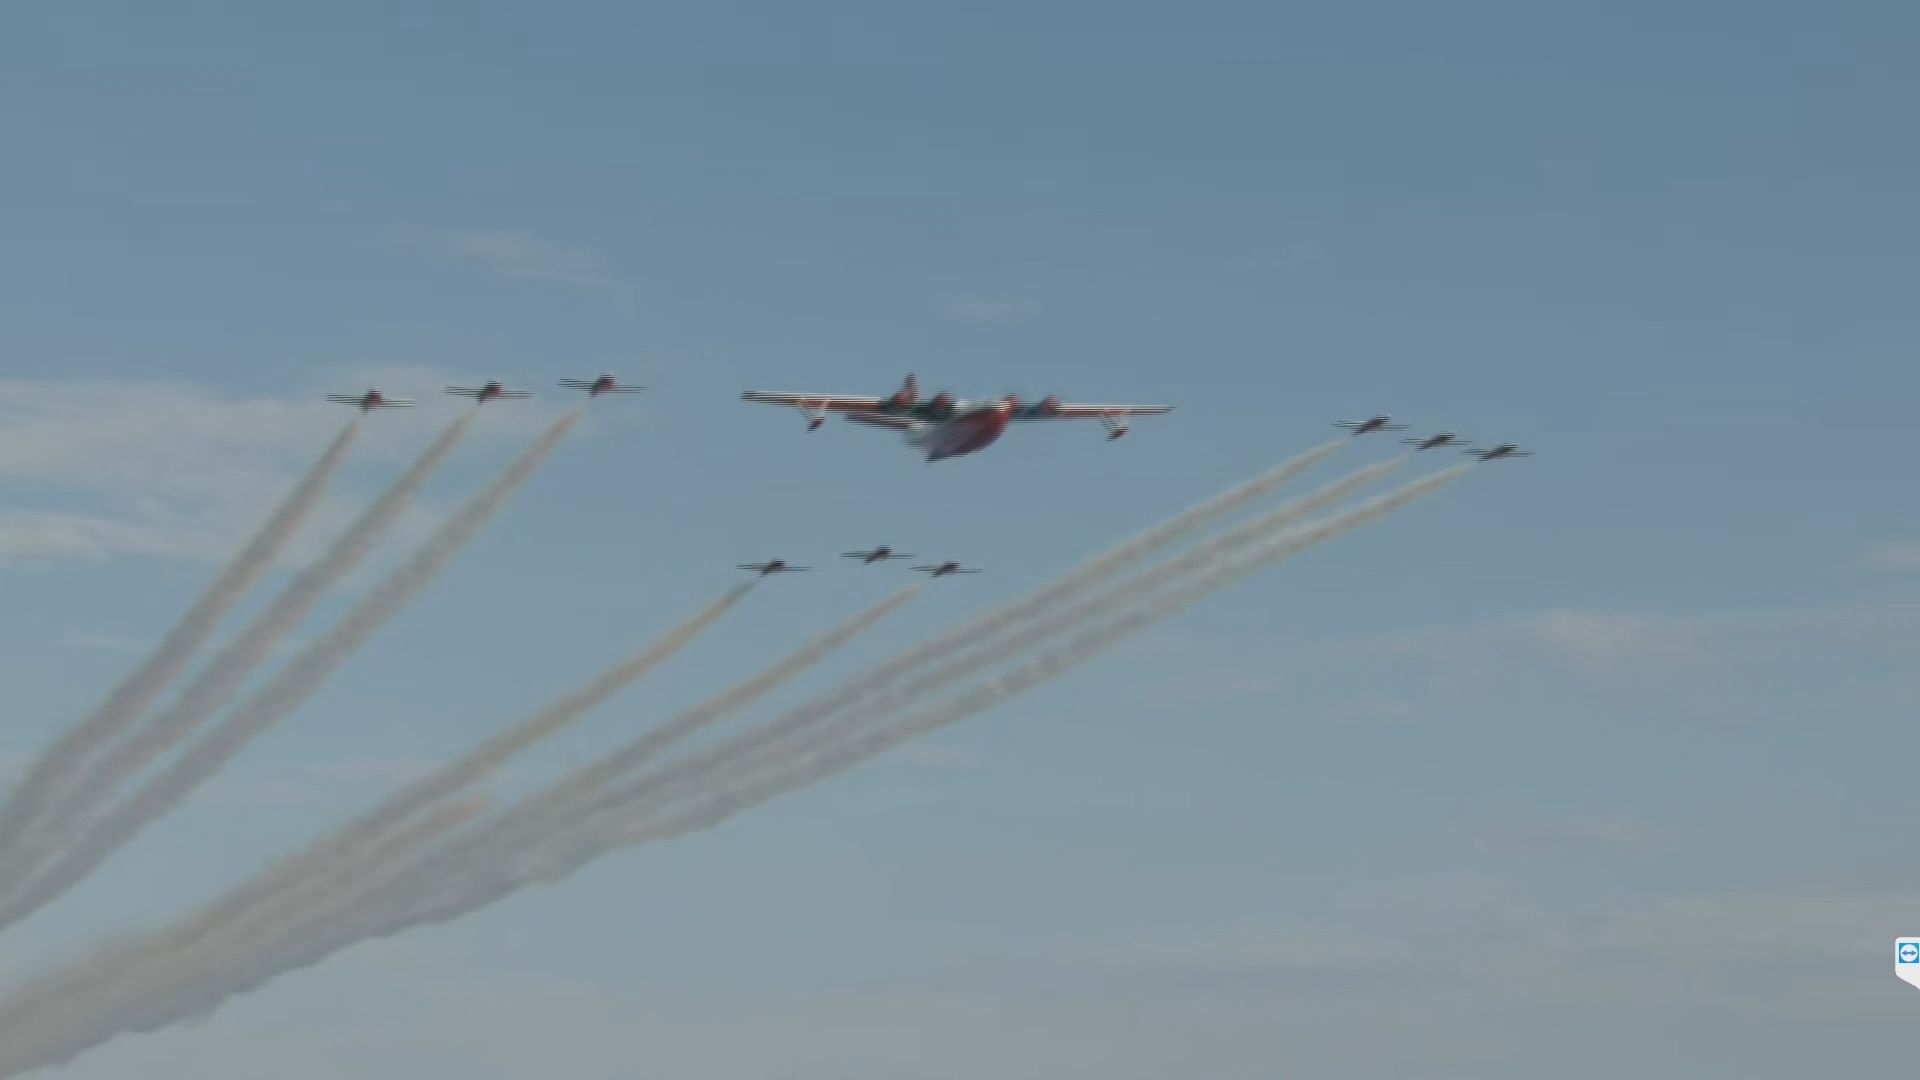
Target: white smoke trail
<point>526,823</point>
<point>125,973</point>
<point>616,826</point>
<point>967,659</point>
<point>370,841</point>
<point>1088,573</point>
<point>429,898</point>
<point>624,812</point>
<point>51,774</point>
<point>534,815</point>
<point>214,687</point>
<point>177,972</point>
<point>285,692</point>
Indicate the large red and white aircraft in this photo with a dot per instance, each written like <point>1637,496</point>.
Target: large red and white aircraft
<point>492,391</point>
<point>603,383</point>
<point>372,399</point>
<point>942,425</point>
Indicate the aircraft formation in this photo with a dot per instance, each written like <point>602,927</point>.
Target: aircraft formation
<point>434,848</point>
<point>943,426</point>
<point>1384,422</point>
<point>879,554</point>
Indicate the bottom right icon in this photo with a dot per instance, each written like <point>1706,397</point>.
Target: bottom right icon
<point>1906,959</point>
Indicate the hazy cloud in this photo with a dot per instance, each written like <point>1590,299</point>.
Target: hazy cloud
<point>94,470</point>
<point>1897,556</point>
<point>530,258</point>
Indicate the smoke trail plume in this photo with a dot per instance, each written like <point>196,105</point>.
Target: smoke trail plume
<point>374,839</point>
<point>285,692</point>
<point>48,777</point>
<point>967,658</point>
<point>190,968</point>
<point>860,746</point>
<point>1089,572</point>
<point>524,824</point>
<point>121,976</point>
<point>622,817</point>
<point>533,816</point>
<point>36,1031</point>
<point>214,687</point>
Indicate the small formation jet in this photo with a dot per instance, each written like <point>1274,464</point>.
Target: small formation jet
<point>1505,449</point>
<point>942,425</point>
<point>372,399</point>
<point>492,391</point>
<point>773,566</point>
<point>1372,423</point>
<point>945,568</point>
<point>1438,438</point>
<point>879,554</point>
<point>603,383</point>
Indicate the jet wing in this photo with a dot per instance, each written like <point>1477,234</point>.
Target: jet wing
<point>1063,411</point>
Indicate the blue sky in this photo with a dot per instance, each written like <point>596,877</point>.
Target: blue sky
<point>1597,763</point>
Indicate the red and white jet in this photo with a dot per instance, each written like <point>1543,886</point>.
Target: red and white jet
<point>945,568</point>
<point>879,554</point>
<point>773,566</point>
<point>603,383</point>
<point>372,399</point>
<point>942,425</point>
<point>492,391</point>
<point>1372,423</point>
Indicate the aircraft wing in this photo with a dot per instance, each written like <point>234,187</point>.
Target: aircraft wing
<point>828,402</point>
<point>896,423</point>
<point>1064,411</point>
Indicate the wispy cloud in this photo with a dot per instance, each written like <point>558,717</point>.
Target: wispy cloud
<point>96,470</point>
<point>1718,666</point>
<point>530,258</point>
<point>1578,836</point>
<point>1895,556</point>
